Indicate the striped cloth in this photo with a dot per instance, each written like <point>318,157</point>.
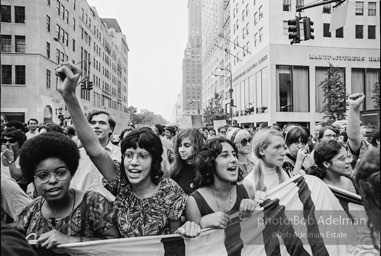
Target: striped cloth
<point>300,217</point>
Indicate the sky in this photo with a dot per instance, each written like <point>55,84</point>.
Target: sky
<point>156,33</point>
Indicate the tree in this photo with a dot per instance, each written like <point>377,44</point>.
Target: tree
<point>145,117</point>
<point>335,105</point>
<point>376,95</point>
<point>214,110</point>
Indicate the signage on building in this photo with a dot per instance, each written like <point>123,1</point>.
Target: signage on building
<point>342,58</point>
<point>250,68</point>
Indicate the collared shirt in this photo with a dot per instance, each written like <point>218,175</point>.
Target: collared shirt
<point>87,177</point>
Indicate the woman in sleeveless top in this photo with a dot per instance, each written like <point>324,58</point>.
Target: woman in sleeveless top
<point>218,196</point>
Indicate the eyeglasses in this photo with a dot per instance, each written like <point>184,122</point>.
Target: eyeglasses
<point>8,140</point>
<point>245,141</point>
<point>140,156</point>
<point>43,176</point>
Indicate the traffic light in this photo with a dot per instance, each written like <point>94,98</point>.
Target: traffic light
<point>90,86</point>
<point>307,25</point>
<point>83,85</point>
<point>294,30</point>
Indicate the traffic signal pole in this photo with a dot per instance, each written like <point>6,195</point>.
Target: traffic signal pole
<point>318,4</point>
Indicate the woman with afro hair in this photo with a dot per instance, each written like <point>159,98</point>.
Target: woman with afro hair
<point>218,195</point>
<point>60,214</point>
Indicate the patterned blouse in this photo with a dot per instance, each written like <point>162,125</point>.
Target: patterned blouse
<point>100,216</point>
<point>146,216</point>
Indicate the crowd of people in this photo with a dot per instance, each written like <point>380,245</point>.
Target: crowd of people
<point>73,184</point>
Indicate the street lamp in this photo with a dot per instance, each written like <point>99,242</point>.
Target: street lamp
<point>231,92</point>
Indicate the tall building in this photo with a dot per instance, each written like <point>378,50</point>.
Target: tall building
<point>274,81</point>
<point>38,35</point>
<point>191,87</point>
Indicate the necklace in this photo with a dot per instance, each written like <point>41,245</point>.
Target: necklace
<point>230,201</point>
<point>52,221</point>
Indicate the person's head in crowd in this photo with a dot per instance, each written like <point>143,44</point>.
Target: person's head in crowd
<point>47,154</point>
<point>169,132</point>
<point>367,179</point>
<point>32,124</point>
<point>205,133</point>
<point>71,131</point>
<point>375,141</point>
<point>141,157</point>
<point>242,140</point>
<point>269,148</point>
<point>217,161</point>
<point>343,138</point>
<point>328,133</point>
<point>103,125</point>
<point>125,132</point>
<point>211,131</point>
<point>13,140</point>
<point>4,121</point>
<point>16,125</point>
<point>276,126</point>
<point>317,130</point>
<point>331,160</point>
<point>367,132</point>
<point>295,138</point>
<point>221,130</point>
<point>188,144</point>
<point>50,127</point>
<point>246,127</point>
<point>160,128</point>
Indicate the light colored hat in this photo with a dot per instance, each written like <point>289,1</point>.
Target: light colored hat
<point>232,133</point>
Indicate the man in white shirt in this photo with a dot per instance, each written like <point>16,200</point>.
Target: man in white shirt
<point>33,131</point>
<point>87,177</point>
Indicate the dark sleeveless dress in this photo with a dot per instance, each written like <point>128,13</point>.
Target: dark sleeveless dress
<point>205,208</point>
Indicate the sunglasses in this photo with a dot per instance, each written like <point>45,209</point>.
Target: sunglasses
<point>8,140</point>
<point>245,141</point>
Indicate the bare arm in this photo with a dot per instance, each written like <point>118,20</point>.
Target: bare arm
<point>353,128</point>
<point>68,76</point>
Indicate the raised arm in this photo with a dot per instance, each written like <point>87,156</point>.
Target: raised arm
<point>68,76</point>
<point>353,128</point>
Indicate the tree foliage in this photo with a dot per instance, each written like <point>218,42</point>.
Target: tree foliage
<point>376,95</point>
<point>214,110</point>
<point>335,105</point>
<point>145,117</point>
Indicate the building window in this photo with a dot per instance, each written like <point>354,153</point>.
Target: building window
<point>255,39</point>
<point>363,81</point>
<point>326,32</point>
<point>260,13</point>
<point>58,54</point>
<point>19,14</point>
<point>299,3</point>
<point>6,43</point>
<point>19,43</point>
<point>5,13</point>
<point>371,32</point>
<point>372,9</point>
<point>6,74</point>
<point>327,8</point>
<point>243,33</point>
<point>20,74</point>
<point>243,15</point>
<point>66,16</point>
<point>48,2</point>
<point>66,38</point>
<point>48,23</point>
<point>359,31</point>
<point>359,8</point>
<point>287,5</point>
<point>48,50</point>
<point>73,24</point>
<point>340,32</point>
<point>293,88</point>
<point>73,45</point>
<point>255,18</point>
<point>260,34</point>
<point>247,28</point>
<point>48,82</point>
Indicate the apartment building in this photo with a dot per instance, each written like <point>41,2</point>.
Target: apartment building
<point>38,35</point>
<point>274,81</point>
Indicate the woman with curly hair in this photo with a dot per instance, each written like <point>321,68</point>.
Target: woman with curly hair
<point>146,202</point>
<point>367,180</point>
<point>332,165</point>
<point>60,214</point>
<point>188,144</point>
<point>218,195</point>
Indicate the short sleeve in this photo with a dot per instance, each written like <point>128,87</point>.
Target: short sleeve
<point>24,218</point>
<point>100,212</point>
<point>117,184</point>
<point>178,198</point>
